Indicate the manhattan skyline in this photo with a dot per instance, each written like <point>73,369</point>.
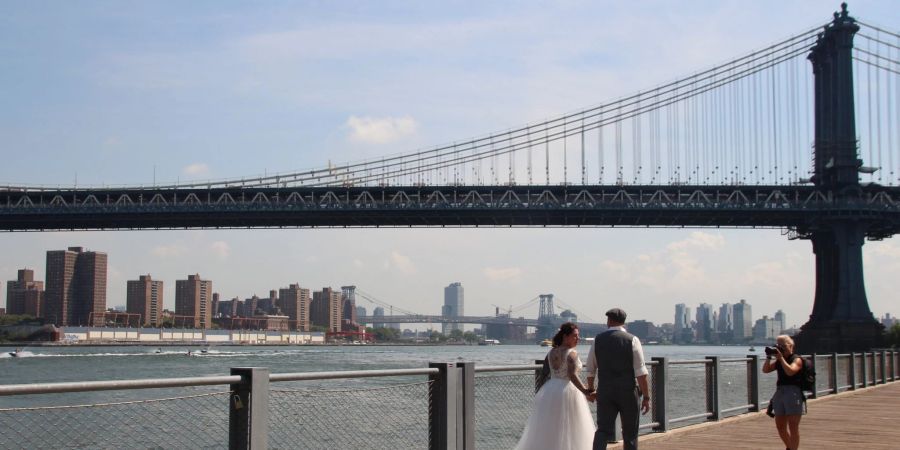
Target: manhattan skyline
<point>100,93</point>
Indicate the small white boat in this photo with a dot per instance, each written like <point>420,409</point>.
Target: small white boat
<point>546,343</point>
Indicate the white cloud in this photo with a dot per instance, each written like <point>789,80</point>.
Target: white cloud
<point>168,250</point>
<point>400,262</point>
<point>196,170</point>
<point>699,239</point>
<point>380,130</point>
<point>358,264</point>
<point>221,249</point>
<point>502,273</point>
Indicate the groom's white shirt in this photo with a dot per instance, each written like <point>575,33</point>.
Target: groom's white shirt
<point>640,368</point>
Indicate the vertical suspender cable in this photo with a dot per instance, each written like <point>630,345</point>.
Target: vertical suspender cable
<point>619,167</point>
<point>583,166</point>
<point>878,110</point>
<point>547,153</point>
<point>530,148</point>
<point>774,162</point>
<point>600,151</point>
<point>871,140</point>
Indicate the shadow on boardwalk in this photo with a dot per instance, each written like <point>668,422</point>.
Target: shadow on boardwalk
<point>868,418</point>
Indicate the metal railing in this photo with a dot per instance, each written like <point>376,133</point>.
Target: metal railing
<point>444,406</point>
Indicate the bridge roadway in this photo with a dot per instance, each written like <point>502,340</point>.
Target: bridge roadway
<point>799,207</point>
<point>421,318</point>
<point>865,418</point>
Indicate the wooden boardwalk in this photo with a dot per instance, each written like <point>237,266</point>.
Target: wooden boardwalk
<point>867,418</point>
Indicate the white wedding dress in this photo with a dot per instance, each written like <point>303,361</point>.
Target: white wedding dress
<point>561,419</point>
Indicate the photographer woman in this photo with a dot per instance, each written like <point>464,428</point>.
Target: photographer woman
<point>788,403</point>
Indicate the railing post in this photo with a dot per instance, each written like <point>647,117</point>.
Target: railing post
<point>712,388</point>
<point>248,423</point>
<point>882,358</point>
<point>835,386</point>
<point>863,370</point>
<point>442,407</point>
<point>659,391</point>
<point>539,376</point>
<point>851,371</point>
<point>753,382</point>
<point>465,434</point>
<point>815,391</point>
<point>893,365</point>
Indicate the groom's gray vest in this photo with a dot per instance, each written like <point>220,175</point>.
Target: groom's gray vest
<point>615,360</point>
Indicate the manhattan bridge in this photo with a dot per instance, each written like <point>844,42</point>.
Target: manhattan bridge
<point>802,135</point>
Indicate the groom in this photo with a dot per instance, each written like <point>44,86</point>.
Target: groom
<point>617,360</point>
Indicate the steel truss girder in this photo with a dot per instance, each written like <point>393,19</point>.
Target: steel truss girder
<point>731,206</point>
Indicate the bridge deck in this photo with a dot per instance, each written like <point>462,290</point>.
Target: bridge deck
<point>866,418</point>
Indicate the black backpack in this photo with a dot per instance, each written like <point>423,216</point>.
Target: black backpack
<point>807,375</point>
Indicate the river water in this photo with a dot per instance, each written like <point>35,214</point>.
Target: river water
<point>392,411</point>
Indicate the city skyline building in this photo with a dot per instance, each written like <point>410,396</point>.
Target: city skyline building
<point>743,321</point>
<point>378,312</point>
<point>75,292</point>
<point>782,321</point>
<point>683,330</point>
<point>295,303</point>
<point>705,323</point>
<point>144,296</point>
<point>725,320</point>
<point>325,309</point>
<point>766,329</point>
<point>454,306</point>
<point>24,295</point>
<point>193,298</point>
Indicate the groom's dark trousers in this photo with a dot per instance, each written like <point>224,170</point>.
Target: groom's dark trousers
<point>611,403</point>
<point>617,392</point>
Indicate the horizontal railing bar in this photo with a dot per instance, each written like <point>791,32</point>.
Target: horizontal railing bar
<point>823,391</point>
<point>734,360</point>
<point>695,416</point>
<point>648,425</point>
<point>736,408</point>
<point>85,386</point>
<point>301,376</point>
<point>690,361</point>
<point>506,368</point>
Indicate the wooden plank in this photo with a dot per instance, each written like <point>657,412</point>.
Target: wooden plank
<point>866,418</point>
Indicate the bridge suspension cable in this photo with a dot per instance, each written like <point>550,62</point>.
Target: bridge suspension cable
<point>736,123</point>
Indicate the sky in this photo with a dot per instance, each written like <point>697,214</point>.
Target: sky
<point>125,92</point>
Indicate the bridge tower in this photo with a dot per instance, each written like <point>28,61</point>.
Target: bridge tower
<point>841,320</point>
<point>547,318</point>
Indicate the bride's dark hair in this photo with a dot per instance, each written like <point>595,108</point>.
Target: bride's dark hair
<point>564,330</point>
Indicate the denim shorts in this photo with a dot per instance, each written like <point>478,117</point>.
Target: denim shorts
<point>788,401</point>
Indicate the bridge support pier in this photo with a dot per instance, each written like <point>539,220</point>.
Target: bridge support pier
<point>841,320</point>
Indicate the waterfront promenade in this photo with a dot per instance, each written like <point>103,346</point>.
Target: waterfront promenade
<point>865,418</point>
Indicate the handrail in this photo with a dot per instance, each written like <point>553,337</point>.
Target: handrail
<point>86,386</point>
<point>303,376</point>
<point>506,368</point>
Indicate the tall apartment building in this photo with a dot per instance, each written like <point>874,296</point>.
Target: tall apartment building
<point>24,295</point>
<point>325,310</point>
<point>294,302</point>
<point>76,287</point>
<point>144,296</point>
<point>193,300</point>
<point>378,312</point>
<point>766,329</point>
<point>782,321</point>
<point>454,306</point>
<point>705,323</point>
<point>725,323</point>
<point>743,321</point>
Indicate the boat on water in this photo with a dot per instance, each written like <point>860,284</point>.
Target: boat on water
<point>546,343</point>
<point>489,342</point>
<point>752,348</point>
<point>16,353</point>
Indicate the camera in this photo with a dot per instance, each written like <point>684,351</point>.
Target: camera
<point>771,351</point>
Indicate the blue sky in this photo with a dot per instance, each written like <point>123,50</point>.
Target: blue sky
<point>127,92</point>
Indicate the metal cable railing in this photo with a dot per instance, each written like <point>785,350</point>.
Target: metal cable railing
<point>406,408</point>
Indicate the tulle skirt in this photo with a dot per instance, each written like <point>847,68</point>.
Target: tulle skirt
<point>561,419</point>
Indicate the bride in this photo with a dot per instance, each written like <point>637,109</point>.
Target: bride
<point>561,418</point>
